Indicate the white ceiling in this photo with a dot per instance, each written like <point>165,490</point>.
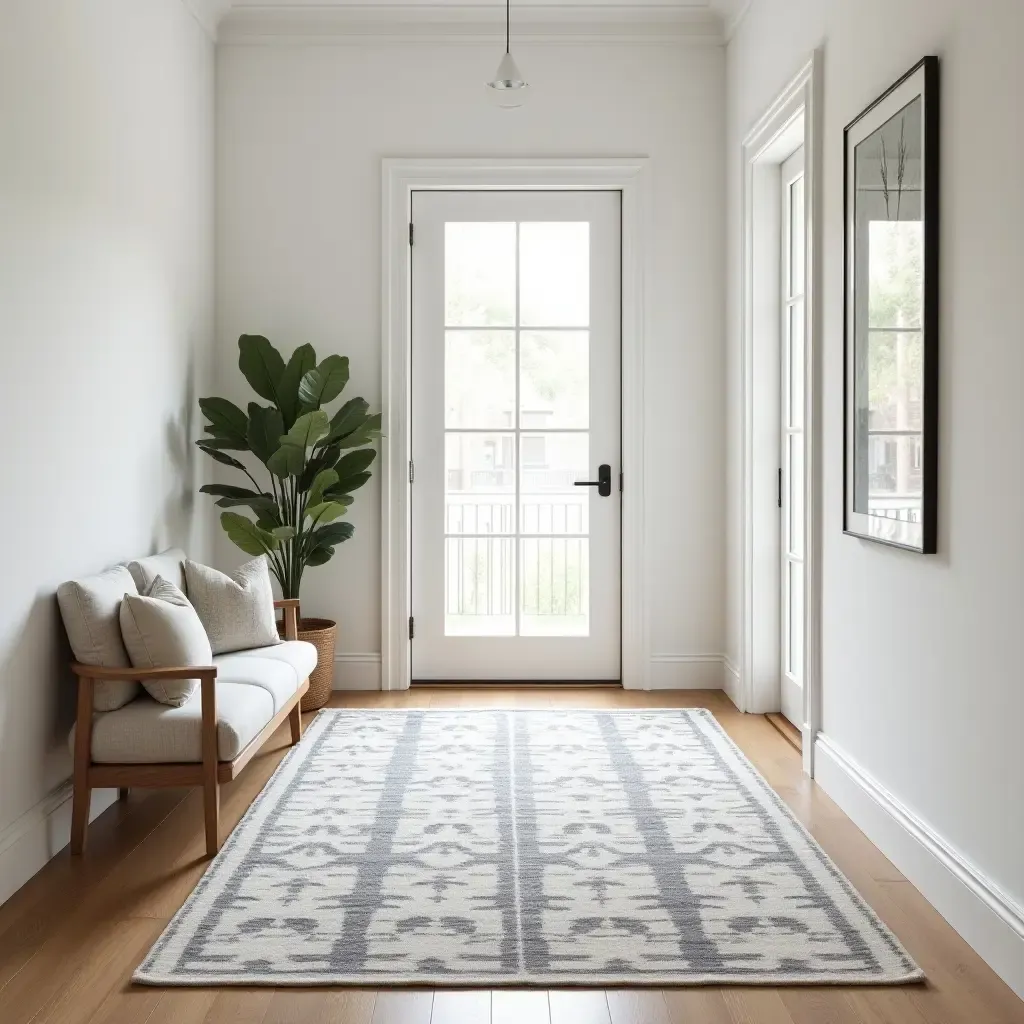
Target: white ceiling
<point>241,18</point>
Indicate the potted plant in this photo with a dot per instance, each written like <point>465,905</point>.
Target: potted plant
<point>313,462</point>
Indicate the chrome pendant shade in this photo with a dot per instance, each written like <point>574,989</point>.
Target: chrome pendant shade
<point>508,89</point>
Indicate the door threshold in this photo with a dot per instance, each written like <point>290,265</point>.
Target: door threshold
<point>789,732</point>
<point>521,684</point>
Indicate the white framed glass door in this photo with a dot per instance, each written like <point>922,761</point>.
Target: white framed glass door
<point>791,473</point>
<point>515,410</point>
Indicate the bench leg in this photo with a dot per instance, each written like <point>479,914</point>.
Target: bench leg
<point>211,788</point>
<point>295,721</point>
<point>79,813</point>
<point>82,795</point>
<point>122,793</point>
<point>211,815</point>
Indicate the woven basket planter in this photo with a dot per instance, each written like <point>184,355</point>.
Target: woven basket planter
<point>321,633</point>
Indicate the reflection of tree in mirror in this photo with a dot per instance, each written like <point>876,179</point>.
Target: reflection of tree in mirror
<point>901,168</point>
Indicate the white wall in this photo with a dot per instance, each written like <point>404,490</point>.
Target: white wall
<point>923,678</point>
<point>301,134</point>
<point>106,264</point>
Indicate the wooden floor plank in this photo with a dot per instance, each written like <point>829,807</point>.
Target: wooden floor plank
<point>588,1006</point>
<point>519,1007</point>
<point>70,939</point>
<point>469,1006</point>
<point>402,1007</point>
<point>638,1006</point>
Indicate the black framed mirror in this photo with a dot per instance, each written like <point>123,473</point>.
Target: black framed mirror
<point>891,240</point>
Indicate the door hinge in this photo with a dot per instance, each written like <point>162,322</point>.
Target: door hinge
<point>412,472</point>
<point>780,487</point>
<point>412,629</point>
<point>410,232</point>
<point>620,483</point>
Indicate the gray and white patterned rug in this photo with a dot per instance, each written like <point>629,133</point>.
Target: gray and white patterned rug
<point>540,848</point>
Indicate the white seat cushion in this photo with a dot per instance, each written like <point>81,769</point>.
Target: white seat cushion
<point>297,653</point>
<point>276,676</point>
<point>148,732</point>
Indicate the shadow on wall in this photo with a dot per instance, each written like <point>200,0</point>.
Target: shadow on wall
<point>178,517</point>
<point>37,689</point>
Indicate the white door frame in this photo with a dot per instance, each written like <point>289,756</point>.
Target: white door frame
<point>400,178</point>
<point>793,119</point>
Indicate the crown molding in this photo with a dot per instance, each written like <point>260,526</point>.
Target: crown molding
<point>207,13</point>
<point>733,20</point>
<point>268,24</point>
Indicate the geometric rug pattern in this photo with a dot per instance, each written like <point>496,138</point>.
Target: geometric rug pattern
<point>500,847</point>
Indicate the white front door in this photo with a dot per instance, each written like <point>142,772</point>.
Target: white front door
<point>791,475</point>
<point>515,404</point>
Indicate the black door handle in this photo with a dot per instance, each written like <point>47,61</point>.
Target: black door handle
<point>603,483</point>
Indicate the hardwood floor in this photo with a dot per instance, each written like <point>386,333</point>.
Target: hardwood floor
<point>70,939</point>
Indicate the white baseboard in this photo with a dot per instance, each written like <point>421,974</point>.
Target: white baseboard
<point>40,834</point>
<point>984,915</point>
<point>731,680</point>
<point>357,671</point>
<point>685,672</point>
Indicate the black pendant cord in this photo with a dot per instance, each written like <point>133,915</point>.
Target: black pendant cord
<point>508,23</point>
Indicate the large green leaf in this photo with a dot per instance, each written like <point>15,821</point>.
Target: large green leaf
<point>230,496</point>
<point>262,365</point>
<point>303,360</point>
<point>331,534</point>
<point>366,433</point>
<point>286,461</point>
<point>355,462</point>
<point>325,458</point>
<point>235,444</point>
<point>226,419</point>
<point>219,456</point>
<point>351,415</point>
<point>326,511</point>
<point>320,555</point>
<point>283,532</point>
<point>265,427</point>
<point>325,383</point>
<point>230,491</point>
<point>346,486</point>
<point>244,533</point>
<point>307,430</point>
<point>324,479</point>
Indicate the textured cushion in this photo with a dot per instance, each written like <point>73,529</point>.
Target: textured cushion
<point>90,608</point>
<point>148,732</point>
<point>275,676</point>
<point>301,656</point>
<point>161,630</point>
<point>237,609</point>
<point>169,564</point>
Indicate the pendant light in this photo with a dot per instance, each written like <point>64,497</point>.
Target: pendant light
<point>509,89</point>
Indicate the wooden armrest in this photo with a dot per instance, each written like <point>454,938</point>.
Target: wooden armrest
<point>186,672</point>
<point>291,616</point>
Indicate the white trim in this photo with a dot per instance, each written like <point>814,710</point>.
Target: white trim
<point>630,176</point>
<point>207,14</point>
<point>731,680</point>
<point>30,841</point>
<point>987,918</point>
<point>356,670</point>
<point>733,22</point>
<point>686,671</point>
<point>799,102</point>
<point>468,23</point>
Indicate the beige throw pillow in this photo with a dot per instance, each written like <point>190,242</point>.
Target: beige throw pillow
<point>237,609</point>
<point>90,608</point>
<point>167,564</point>
<point>161,630</point>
